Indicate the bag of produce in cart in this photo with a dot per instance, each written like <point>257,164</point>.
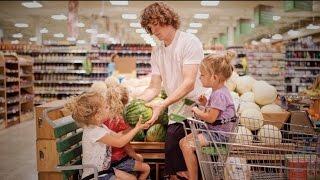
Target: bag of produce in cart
<point>236,169</point>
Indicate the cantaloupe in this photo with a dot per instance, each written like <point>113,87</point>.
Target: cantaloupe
<point>269,134</point>
<point>251,119</point>
<point>244,84</point>
<point>244,135</point>
<point>271,108</point>
<point>264,93</point>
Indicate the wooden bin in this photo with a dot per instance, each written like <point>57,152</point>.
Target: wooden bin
<point>276,119</point>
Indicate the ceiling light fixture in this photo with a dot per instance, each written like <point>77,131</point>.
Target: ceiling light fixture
<point>292,32</point>
<point>34,39</point>
<point>201,16</point>
<point>21,25</point>
<point>58,35</point>
<point>277,37</point>
<point>129,16</point>
<point>33,4</point>
<point>195,25</point>
<point>81,42</point>
<point>18,35</point>
<point>44,31</point>
<point>80,25</point>
<point>210,3</point>
<point>140,31</point>
<point>265,40</point>
<point>119,3</point>
<point>15,42</point>
<point>91,31</point>
<point>312,27</point>
<point>254,42</point>
<point>135,25</point>
<point>193,31</point>
<point>59,17</point>
<point>252,25</point>
<point>276,18</point>
<point>71,39</point>
<point>102,36</point>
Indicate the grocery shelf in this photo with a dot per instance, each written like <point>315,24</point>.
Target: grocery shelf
<point>301,49</point>
<point>64,82</point>
<point>61,92</point>
<point>68,71</point>
<point>304,68</point>
<point>301,59</point>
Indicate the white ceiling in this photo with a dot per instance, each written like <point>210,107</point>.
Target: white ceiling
<point>225,14</point>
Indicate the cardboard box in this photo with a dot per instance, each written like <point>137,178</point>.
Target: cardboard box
<point>276,119</point>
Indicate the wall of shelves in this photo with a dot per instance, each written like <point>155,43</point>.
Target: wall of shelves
<point>16,94</point>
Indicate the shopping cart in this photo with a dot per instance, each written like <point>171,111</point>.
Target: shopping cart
<point>289,152</point>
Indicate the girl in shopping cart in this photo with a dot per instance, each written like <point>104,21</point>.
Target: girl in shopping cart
<point>219,112</point>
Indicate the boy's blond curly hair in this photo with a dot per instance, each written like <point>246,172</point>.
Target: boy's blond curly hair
<point>117,97</point>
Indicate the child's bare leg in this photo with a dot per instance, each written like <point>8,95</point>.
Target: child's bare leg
<point>187,148</point>
<point>143,168</point>
<point>121,175</point>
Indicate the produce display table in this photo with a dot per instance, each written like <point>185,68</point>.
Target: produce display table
<point>153,154</point>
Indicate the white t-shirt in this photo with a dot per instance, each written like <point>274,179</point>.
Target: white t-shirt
<point>168,63</point>
<point>93,152</point>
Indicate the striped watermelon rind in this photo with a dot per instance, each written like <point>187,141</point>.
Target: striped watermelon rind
<point>156,133</point>
<point>134,110</point>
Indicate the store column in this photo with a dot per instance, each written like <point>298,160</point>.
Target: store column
<point>37,26</point>
<point>230,36</point>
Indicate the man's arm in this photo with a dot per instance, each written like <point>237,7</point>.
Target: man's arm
<point>153,89</point>
<point>189,78</point>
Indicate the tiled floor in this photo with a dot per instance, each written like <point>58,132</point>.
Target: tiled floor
<point>18,152</point>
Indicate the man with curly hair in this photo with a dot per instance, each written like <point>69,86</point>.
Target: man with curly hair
<point>174,65</point>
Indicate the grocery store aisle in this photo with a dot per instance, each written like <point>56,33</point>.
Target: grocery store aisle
<point>18,152</point>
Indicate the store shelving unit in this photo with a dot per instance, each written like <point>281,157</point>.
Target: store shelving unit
<point>302,65</point>
<point>3,102</point>
<point>12,89</point>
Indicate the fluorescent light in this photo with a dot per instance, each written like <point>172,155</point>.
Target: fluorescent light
<point>193,31</point>
<point>201,16</point>
<point>210,3</point>
<point>276,18</point>
<point>143,35</point>
<point>58,35</point>
<point>252,25</point>
<point>312,27</point>
<point>18,35</point>
<point>33,4</point>
<point>195,25</point>
<point>33,39</point>
<point>15,42</point>
<point>91,31</point>
<point>44,31</point>
<point>59,17</point>
<point>254,42</point>
<point>81,42</point>
<point>80,25</point>
<point>265,40</point>
<point>119,3</point>
<point>140,31</point>
<point>102,36</point>
<point>71,39</point>
<point>21,25</point>
<point>277,37</point>
<point>135,25</point>
<point>111,39</point>
<point>129,16</point>
<point>292,32</point>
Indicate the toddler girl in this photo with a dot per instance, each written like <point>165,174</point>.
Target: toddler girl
<point>89,109</point>
<point>125,159</point>
<point>219,112</point>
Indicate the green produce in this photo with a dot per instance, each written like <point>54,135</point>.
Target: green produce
<point>134,110</point>
<point>156,133</point>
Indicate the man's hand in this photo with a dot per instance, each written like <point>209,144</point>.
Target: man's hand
<point>157,108</point>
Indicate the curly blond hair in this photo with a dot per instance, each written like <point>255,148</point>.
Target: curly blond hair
<point>117,97</point>
<point>159,13</point>
<point>86,107</point>
<point>219,64</point>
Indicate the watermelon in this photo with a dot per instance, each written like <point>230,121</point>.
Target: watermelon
<point>139,136</point>
<point>163,117</point>
<point>134,110</point>
<point>156,133</point>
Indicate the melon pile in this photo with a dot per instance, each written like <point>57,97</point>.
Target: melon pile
<point>252,98</point>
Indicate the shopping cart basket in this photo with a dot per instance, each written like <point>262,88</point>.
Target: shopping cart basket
<point>288,153</point>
